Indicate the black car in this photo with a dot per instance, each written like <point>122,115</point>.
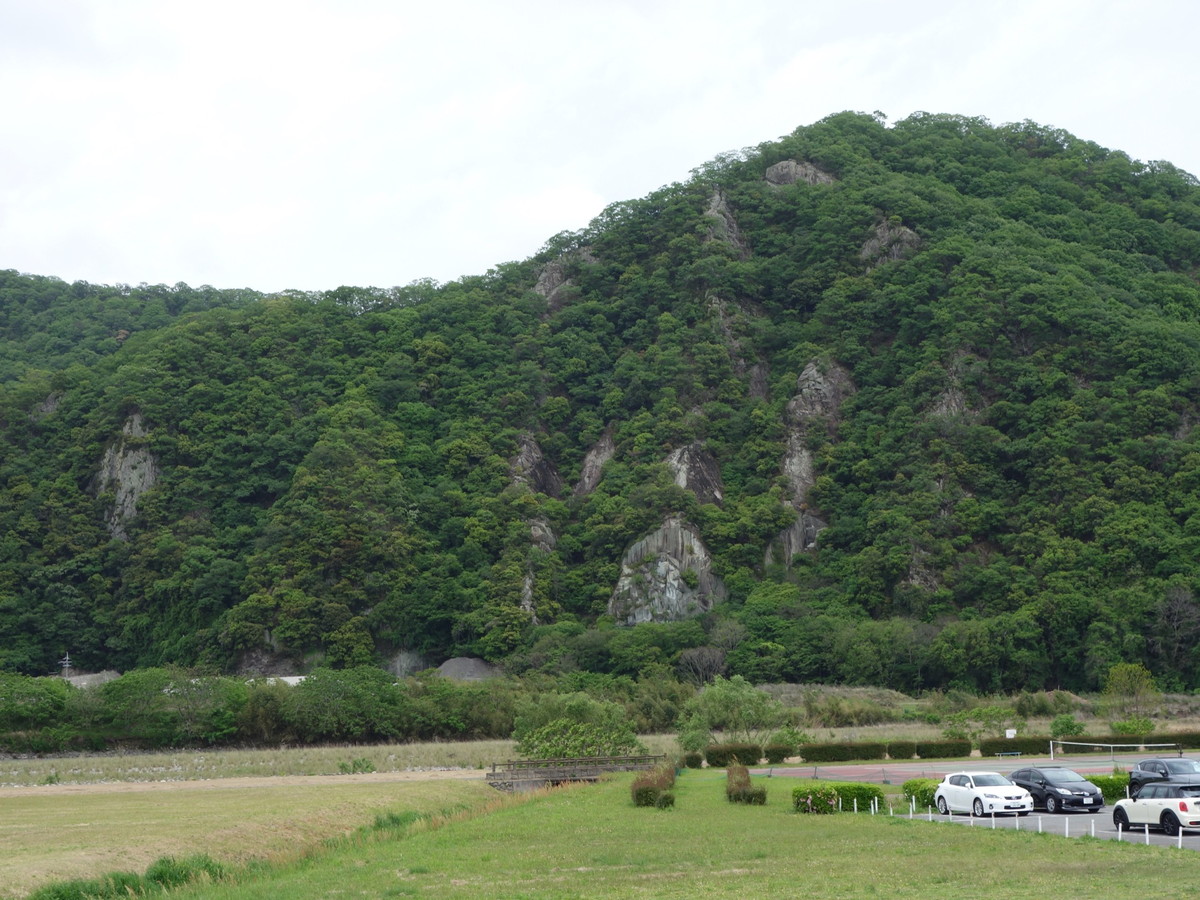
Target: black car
<point>1151,770</point>
<point>1057,789</point>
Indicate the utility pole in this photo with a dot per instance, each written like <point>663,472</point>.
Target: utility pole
<point>65,662</point>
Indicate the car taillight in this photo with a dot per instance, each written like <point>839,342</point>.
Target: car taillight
<point>1183,806</point>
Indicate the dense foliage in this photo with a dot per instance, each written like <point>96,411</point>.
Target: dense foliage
<point>1012,489</point>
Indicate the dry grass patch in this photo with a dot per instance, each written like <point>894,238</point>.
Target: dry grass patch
<point>72,832</point>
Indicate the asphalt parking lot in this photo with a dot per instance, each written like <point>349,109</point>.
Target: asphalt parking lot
<point>1096,824</point>
<point>1072,825</point>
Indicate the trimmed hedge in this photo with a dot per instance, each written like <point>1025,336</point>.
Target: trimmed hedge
<point>842,752</point>
<point>693,759</point>
<point>901,749</point>
<point>1033,745</point>
<point>827,796</point>
<point>816,798</point>
<point>777,753</point>
<point>721,755</point>
<point>851,791</point>
<point>944,749</point>
<point>920,791</point>
<point>1114,787</point>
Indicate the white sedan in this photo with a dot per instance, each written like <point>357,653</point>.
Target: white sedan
<point>1171,807</point>
<point>981,794</point>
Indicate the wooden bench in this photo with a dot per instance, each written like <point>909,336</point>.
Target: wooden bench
<point>529,774</point>
<point>1009,753</point>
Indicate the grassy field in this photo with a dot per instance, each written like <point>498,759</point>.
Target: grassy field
<point>58,833</point>
<point>591,842</point>
<point>191,765</point>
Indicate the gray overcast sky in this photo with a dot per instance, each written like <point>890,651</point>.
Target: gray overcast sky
<point>309,144</point>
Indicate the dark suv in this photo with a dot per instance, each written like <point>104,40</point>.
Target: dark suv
<point>1056,788</point>
<point>1151,770</point>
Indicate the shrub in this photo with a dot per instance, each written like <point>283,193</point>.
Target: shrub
<point>1066,725</point>
<point>648,788</point>
<point>738,788</point>
<point>355,766</point>
<point>1134,726</point>
<point>948,748</point>
<point>564,738</point>
<point>777,753</point>
<point>721,755</point>
<point>815,798</point>
<point>1034,745</point>
<point>901,749</point>
<point>693,759</point>
<point>1114,787</point>
<point>843,751</point>
<point>852,792</point>
<point>919,791</point>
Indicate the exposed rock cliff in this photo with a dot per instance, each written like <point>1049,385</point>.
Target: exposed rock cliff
<point>696,470</point>
<point>665,577</point>
<point>543,540</point>
<point>889,241</point>
<point>723,225</point>
<point>531,468</point>
<point>128,469</point>
<point>790,171</point>
<point>593,462</point>
<point>820,393</point>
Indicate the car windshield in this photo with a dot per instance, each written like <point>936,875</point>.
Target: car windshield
<point>1064,776</point>
<point>988,780</point>
<point>1182,766</point>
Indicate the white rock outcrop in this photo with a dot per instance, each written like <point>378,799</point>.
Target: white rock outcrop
<point>128,469</point>
<point>665,577</point>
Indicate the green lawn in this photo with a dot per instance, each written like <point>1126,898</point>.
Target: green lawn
<point>591,842</point>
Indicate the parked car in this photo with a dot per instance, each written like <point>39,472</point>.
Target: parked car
<point>981,794</point>
<point>1163,804</point>
<point>1055,788</point>
<point>1170,769</point>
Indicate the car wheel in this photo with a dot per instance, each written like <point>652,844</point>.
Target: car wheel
<point>1051,804</point>
<point>942,807</point>
<point>1120,819</point>
<point>1170,824</point>
<point>978,807</point>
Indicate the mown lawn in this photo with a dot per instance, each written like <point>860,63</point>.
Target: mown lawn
<point>592,842</point>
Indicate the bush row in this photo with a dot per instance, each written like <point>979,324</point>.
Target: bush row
<point>1032,745</point>
<point>653,788</point>
<point>814,753</point>
<point>738,788</point>
<point>834,796</point>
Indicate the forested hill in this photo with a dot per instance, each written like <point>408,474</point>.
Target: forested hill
<point>914,405</point>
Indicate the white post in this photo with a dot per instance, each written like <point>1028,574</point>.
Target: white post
<point>1018,821</point>
<point>1146,828</point>
<point>1052,751</point>
<point>1118,831</point>
<point>993,821</point>
<point>1094,829</point>
<point>856,804</point>
<point>930,808</point>
<point>1039,824</point>
<point>1179,839</point>
<point>1066,827</point>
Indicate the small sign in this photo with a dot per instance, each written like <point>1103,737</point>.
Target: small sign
<point>1010,733</point>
